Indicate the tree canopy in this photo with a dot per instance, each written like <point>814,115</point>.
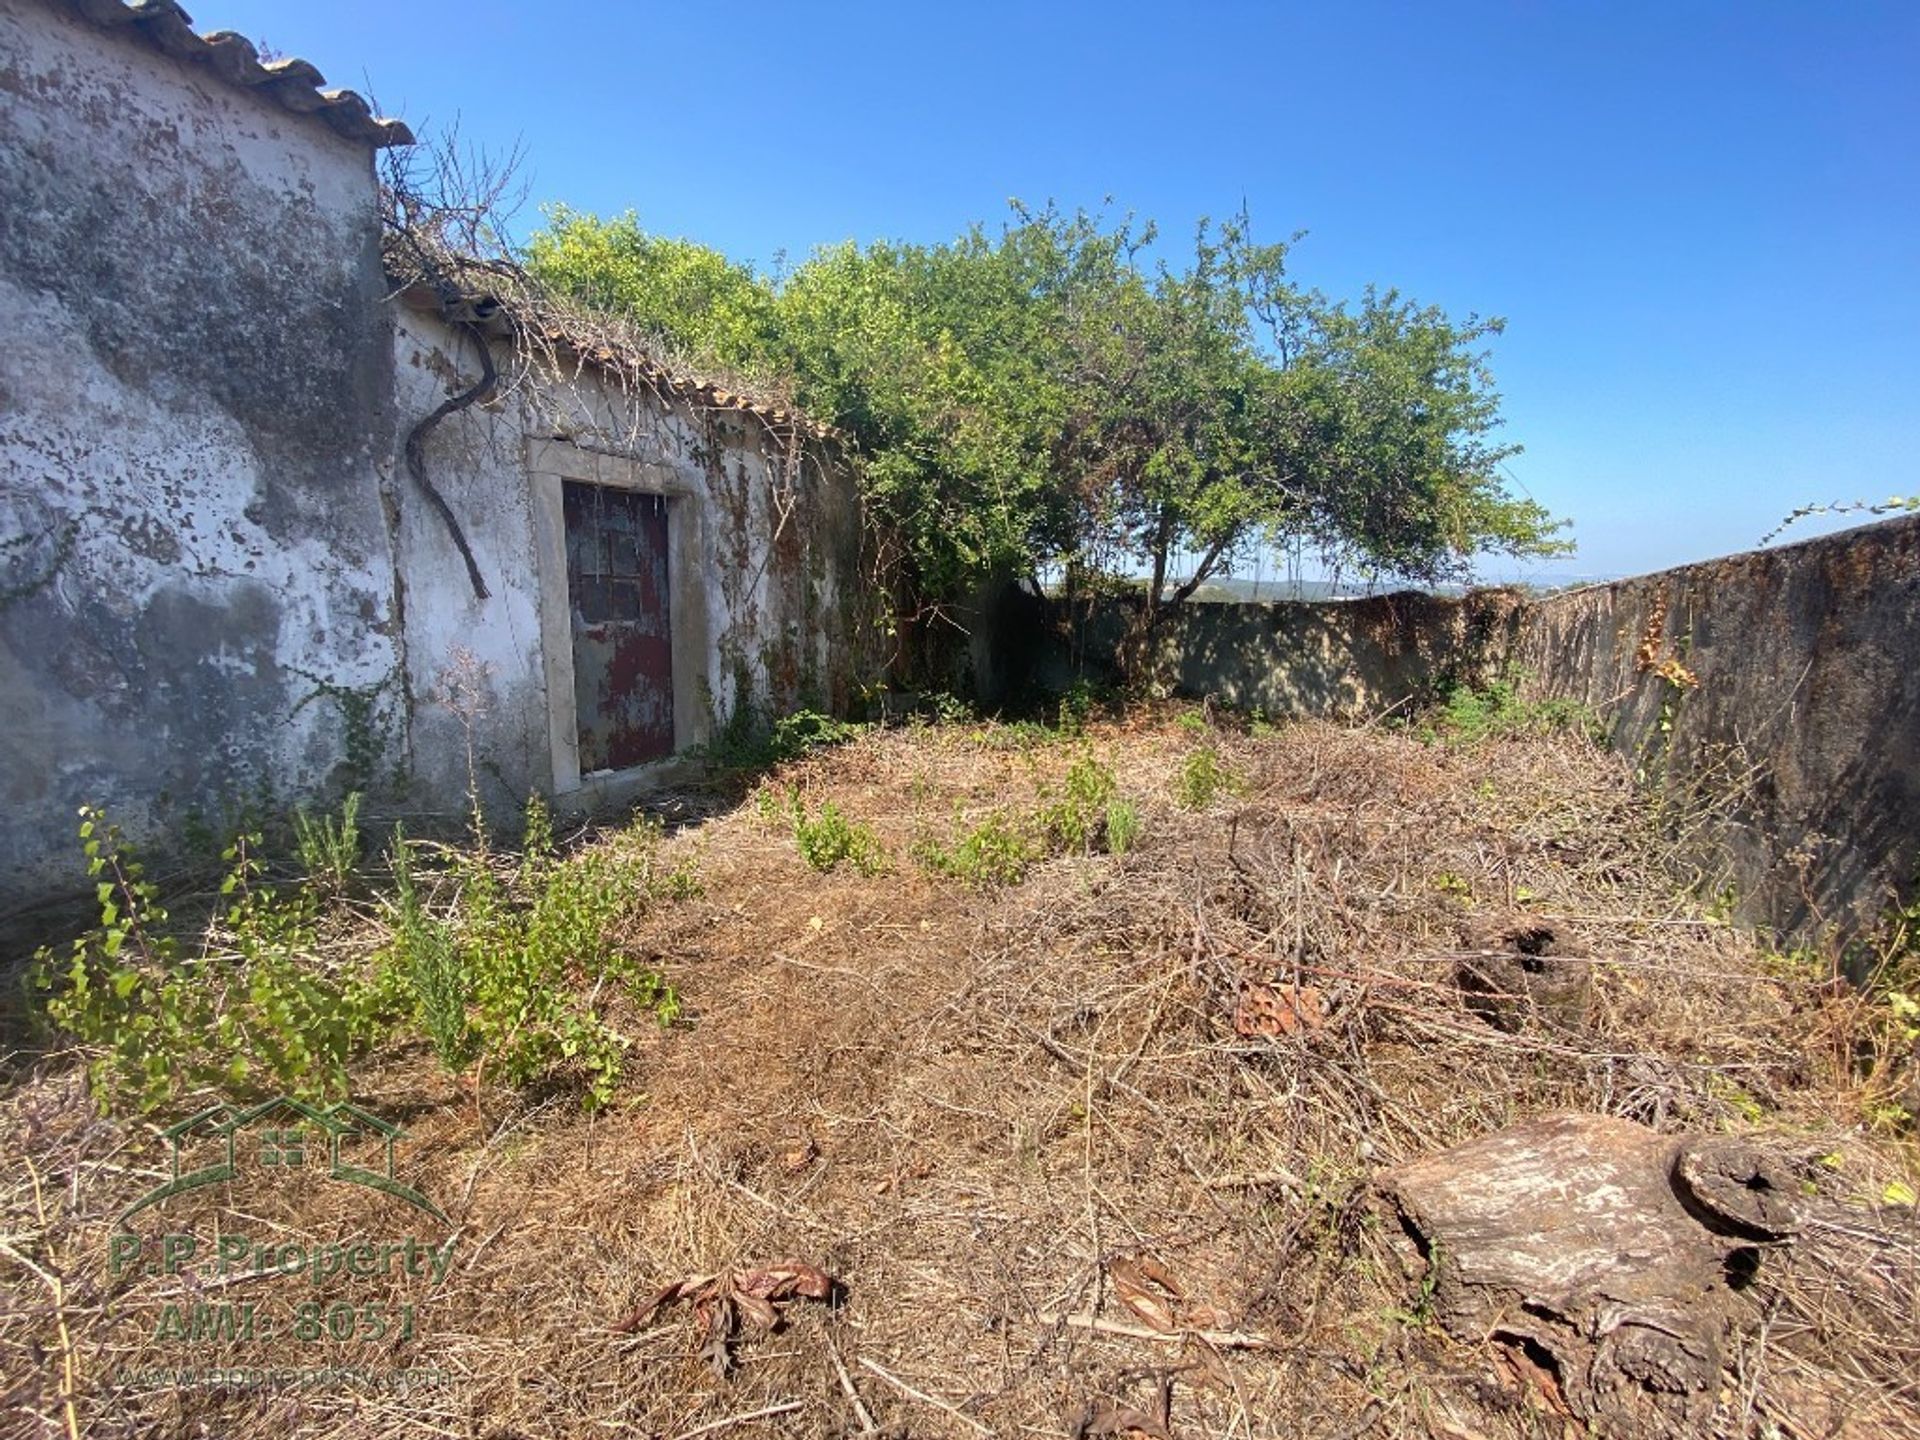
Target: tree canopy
<point>1056,392</point>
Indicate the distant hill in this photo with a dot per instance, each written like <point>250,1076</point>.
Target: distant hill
<point>1232,591</point>
<point>1238,591</point>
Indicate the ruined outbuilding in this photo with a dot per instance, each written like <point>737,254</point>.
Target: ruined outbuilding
<point>224,586</point>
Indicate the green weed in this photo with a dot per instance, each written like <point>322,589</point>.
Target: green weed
<point>1074,817</point>
<point>1083,815</point>
<point>1203,779</point>
<point>251,1009</point>
<point>994,852</point>
<point>1888,1045</point>
<point>945,708</point>
<point>748,742</point>
<point>1468,715</point>
<point>512,975</point>
<point>829,839</point>
<point>1123,826</point>
<point>329,849</point>
<point>426,961</point>
<point>505,965</point>
<point>1077,707</point>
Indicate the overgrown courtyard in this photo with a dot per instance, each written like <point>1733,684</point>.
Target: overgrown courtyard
<point>1031,1079</point>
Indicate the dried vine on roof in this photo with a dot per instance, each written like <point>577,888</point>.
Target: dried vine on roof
<point>444,209</point>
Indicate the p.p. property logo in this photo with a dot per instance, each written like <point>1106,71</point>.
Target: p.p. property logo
<point>228,1290</point>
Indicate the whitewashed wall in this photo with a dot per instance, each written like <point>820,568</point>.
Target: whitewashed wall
<point>221,594</point>
<point>195,420</point>
<point>764,566</point>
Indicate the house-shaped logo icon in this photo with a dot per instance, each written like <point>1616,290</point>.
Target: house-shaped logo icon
<point>284,1134</point>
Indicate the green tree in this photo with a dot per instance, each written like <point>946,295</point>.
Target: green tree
<point>931,358</point>
<point>1048,393</point>
<point>690,295</point>
<point>1219,406</point>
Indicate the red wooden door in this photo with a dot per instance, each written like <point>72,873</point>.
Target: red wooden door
<point>622,635</point>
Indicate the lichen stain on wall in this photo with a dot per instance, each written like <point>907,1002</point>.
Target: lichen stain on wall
<point>1796,751</point>
<point>194,404</point>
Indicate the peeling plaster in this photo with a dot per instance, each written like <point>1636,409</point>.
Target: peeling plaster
<point>210,536</point>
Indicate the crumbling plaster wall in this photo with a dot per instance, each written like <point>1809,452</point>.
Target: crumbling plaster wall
<point>1346,660</point>
<point>195,413</point>
<point>466,660</point>
<point>764,572</point>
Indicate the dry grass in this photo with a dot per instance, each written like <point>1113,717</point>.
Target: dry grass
<point>966,1104</point>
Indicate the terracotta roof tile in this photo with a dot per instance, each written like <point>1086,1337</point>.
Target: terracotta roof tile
<point>294,85</point>
<point>462,294</point>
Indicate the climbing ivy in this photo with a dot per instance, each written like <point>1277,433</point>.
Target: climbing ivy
<point>368,734</point>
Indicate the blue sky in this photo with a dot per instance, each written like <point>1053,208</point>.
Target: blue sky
<point>1700,220</point>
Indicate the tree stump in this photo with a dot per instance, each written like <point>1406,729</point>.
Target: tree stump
<point>1606,1251</point>
<point>1525,969</point>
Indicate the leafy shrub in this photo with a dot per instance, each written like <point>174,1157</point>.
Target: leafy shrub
<point>943,707</point>
<point>1075,820</point>
<point>510,974</point>
<point>511,977</point>
<point>251,1009</point>
<point>994,852</point>
<point>1080,818</point>
<point>1468,715</point>
<point>1203,779</point>
<point>1077,706</point>
<point>747,742</point>
<point>806,730</point>
<point>829,839</point>
<point>1887,1047</point>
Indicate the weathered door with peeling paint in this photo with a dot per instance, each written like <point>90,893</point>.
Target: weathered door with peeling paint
<point>622,636</point>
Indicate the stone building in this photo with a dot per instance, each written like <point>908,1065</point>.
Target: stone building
<point>223,587</point>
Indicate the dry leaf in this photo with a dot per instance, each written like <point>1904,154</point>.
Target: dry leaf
<point>1147,1288</point>
<point>727,1303</point>
<point>679,1290</point>
<point>1104,1418</point>
<point>1207,1317</point>
<point>755,1312</point>
<point>785,1280</point>
<point>1263,1010</point>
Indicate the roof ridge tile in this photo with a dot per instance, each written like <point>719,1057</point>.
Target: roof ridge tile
<point>294,84</point>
